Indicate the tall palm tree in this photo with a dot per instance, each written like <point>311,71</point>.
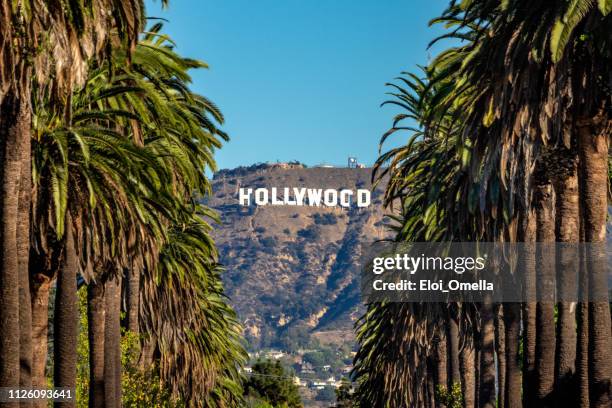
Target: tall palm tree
<point>96,316</point>
<point>418,173</point>
<point>129,164</point>
<point>554,50</point>
<point>504,172</point>
<point>66,319</point>
<point>40,41</point>
<point>87,170</point>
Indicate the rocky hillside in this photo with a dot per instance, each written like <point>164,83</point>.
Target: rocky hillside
<point>292,270</point>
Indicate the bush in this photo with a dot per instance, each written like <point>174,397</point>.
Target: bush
<point>268,242</point>
<point>325,219</point>
<point>452,398</point>
<point>326,394</point>
<point>311,232</point>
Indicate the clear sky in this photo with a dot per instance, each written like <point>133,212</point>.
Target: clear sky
<point>301,79</point>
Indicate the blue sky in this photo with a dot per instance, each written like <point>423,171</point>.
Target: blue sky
<point>301,79</point>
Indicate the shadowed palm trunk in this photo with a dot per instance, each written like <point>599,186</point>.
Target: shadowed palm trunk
<point>567,230</point>
<point>96,319</point>
<point>14,128</point>
<point>593,150</point>
<point>500,351</point>
<point>40,324</point>
<point>512,389</point>
<point>453,346</point>
<point>431,386</point>
<point>582,317</point>
<point>441,358</point>
<point>545,311</point>
<point>441,361</point>
<point>112,337</point>
<point>582,354</point>
<point>66,319</point>
<point>487,357</point>
<point>43,270</point>
<point>477,370</point>
<point>528,236</point>
<point>468,375</point>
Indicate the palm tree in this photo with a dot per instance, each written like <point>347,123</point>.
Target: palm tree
<point>419,172</point>
<point>500,174</point>
<point>40,41</point>
<point>66,319</point>
<point>513,49</point>
<point>567,230</point>
<point>96,316</point>
<point>129,164</point>
<point>579,41</point>
<point>112,336</point>
<point>513,385</point>
<point>545,323</point>
<point>85,170</point>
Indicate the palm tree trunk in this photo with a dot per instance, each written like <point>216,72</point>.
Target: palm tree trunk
<point>487,357</point>
<point>23,251</point>
<point>512,389</point>
<point>468,375</point>
<point>528,236</point>
<point>500,352</point>
<point>65,325</point>
<point>545,310</point>
<point>593,150</point>
<point>477,367</point>
<point>431,385</point>
<point>453,346</point>
<point>96,318</point>
<point>582,355</point>
<point>441,359</point>
<point>582,319</point>
<point>133,299</point>
<point>40,325</point>
<point>567,230</point>
<point>112,337</point>
<point>14,128</point>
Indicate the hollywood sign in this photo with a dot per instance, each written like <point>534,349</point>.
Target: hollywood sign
<point>301,196</point>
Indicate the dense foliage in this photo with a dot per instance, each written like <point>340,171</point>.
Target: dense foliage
<point>271,384</point>
<point>508,142</point>
<point>105,151</point>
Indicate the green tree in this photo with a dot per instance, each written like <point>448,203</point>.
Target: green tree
<point>50,45</point>
<point>127,167</point>
<point>316,358</point>
<point>344,394</point>
<point>270,382</point>
<point>326,394</point>
<point>481,164</point>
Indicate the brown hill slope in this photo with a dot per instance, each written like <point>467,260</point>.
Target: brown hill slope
<point>292,270</point>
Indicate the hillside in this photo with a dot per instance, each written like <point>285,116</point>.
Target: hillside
<point>292,270</point>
